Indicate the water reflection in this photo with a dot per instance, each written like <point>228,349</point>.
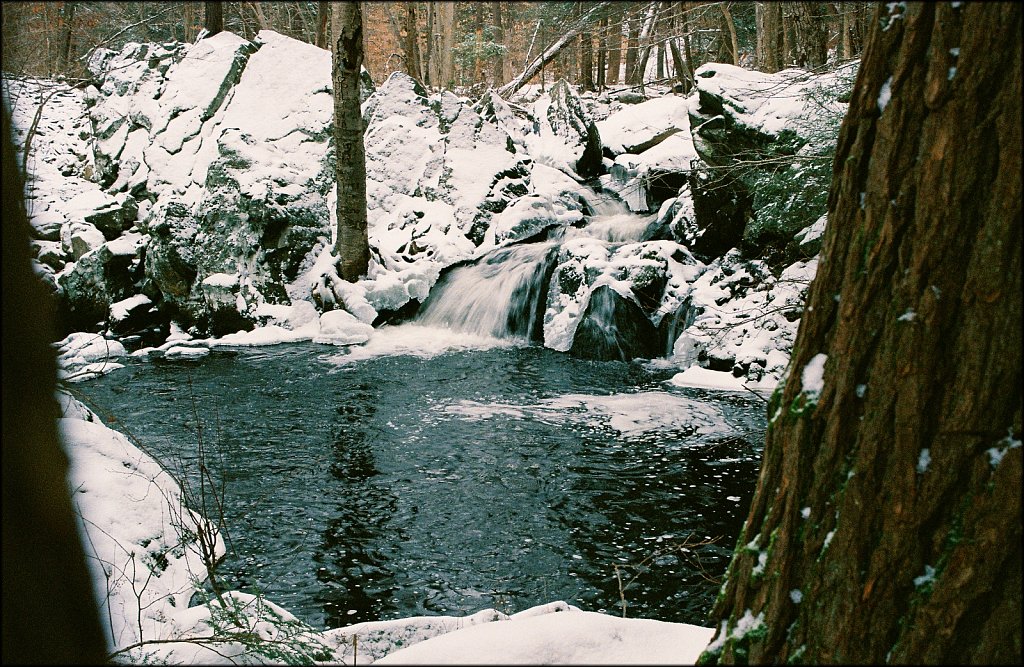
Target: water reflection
<point>400,486</point>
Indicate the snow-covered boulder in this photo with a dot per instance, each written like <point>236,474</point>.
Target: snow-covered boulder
<point>638,285</point>
<point>771,138</point>
<point>100,278</point>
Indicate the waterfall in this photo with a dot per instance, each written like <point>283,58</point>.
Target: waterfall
<point>502,295</point>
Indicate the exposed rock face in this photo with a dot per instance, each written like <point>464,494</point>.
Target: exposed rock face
<point>614,328</point>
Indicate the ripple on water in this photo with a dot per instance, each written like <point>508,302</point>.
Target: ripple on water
<point>427,476</point>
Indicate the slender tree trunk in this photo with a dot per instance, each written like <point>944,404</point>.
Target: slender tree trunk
<point>214,17</point>
<point>352,246</point>
<point>691,64</point>
<point>645,38</point>
<point>632,37</point>
<point>586,79</point>
<point>430,74</point>
<point>614,48</point>
<point>410,43</point>
<point>730,29</point>
<point>602,53</point>
<point>67,37</point>
<point>498,76</point>
<point>769,36</point>
<point>322,14</point>
<point>886,524</point>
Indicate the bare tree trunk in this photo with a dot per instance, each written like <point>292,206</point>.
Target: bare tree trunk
<point>769,36</point>
<point>846,41</point>
<point>602,53</point>
<point>189,20</point>
<point>810,43</point>
<point>214,17</point>
<point>614,47</point>
<point>67,37</point>
<point>446,18</point>
<point>498,76</point>
<point>322,14</point>
<point>646,36</point>
<point>886,524</point>
<point>430,74</point>
<point>730,28</point>
<point>632,38</point>
<point>411,43</point>
<point>352,246</point>
<point>586,80</point>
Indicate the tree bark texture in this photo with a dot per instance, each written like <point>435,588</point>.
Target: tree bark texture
<point>411,43</point>
<point>886,524</point>
<point>614,50</point>
<point>632,42</point>
<point>586,80</point>
<point>322,14</point>
<point>214,17</point>
<point>810,40</point>
<point>351,246</point>
<point>498,74</point>
<point>769,36</point>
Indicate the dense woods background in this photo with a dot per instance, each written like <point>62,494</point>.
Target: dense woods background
<point>467,44</point>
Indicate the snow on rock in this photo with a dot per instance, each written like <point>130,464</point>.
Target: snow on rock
<point>339,327</point>
<point>744,319</point>
<point>655,276</point>
<point>571,637</point>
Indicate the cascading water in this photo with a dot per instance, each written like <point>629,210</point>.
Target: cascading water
<point>504,293</point>
<point>501,295</point>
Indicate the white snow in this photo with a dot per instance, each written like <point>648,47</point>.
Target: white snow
<point>695,376</point>
<point>926,578</point>
<point>571,638</point>
<point>923,460</point>
<point>884,95</point>
<point>812,379</point>
<point>796,596</point>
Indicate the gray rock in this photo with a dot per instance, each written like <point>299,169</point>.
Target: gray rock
<point>614,328</point>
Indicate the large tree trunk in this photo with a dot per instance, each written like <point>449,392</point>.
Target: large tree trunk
<point>809,30</point>
<point>886,525</point>
<point>498,73</point>
<point>445,23</point>
<point>214,17</point>
<point>351,246</point>
<point>769,36</point>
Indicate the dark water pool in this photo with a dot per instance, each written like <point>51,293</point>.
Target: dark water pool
<point>398,485</point>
